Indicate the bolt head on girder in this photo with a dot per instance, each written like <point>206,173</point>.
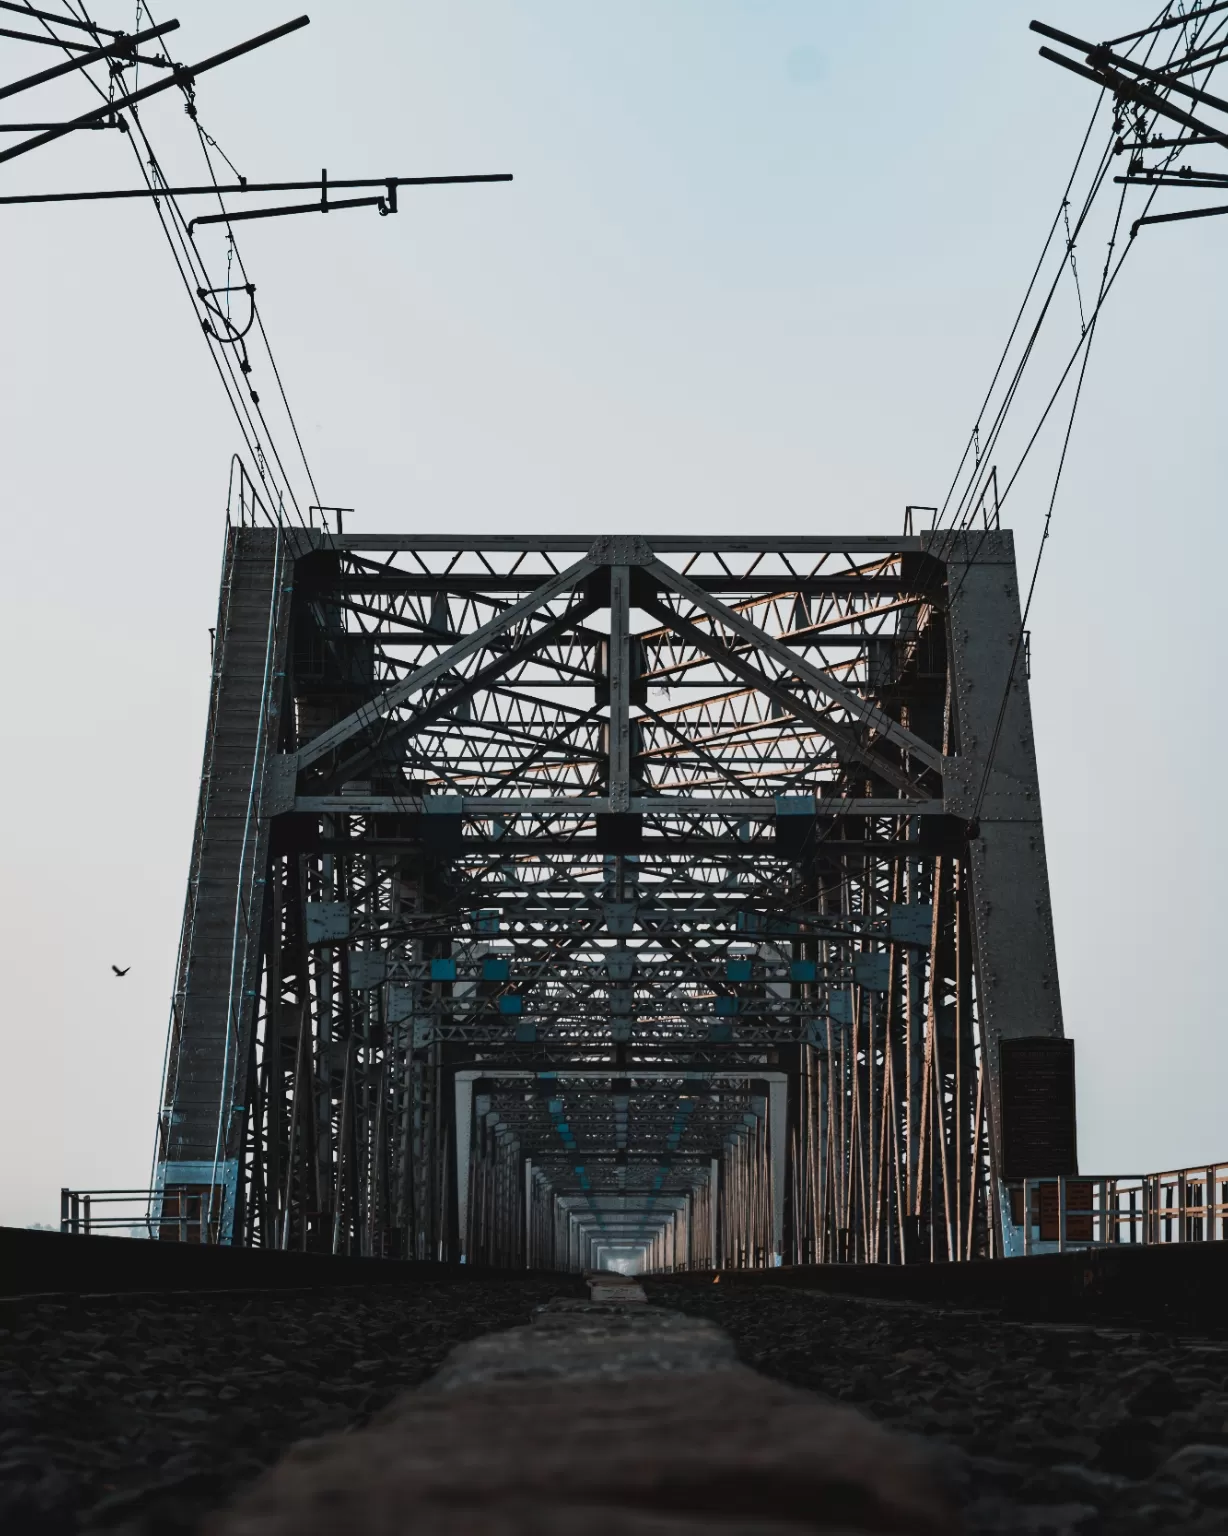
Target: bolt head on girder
<point>621,549</point>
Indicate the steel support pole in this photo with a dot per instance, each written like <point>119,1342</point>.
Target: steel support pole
<point>620,689</point>
<point>778,1142</point>
<point>463,1098</point>
<point>529,1254</point>
<point>714,1210</point>
<point>994,783</point>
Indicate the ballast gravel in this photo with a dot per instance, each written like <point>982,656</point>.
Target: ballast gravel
<point>1053,1429</point>
<point>141,1414</point>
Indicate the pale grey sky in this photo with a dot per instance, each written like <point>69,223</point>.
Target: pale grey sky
<point>754,272</point>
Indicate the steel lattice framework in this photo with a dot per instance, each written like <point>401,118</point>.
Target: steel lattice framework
<point>637,900</point>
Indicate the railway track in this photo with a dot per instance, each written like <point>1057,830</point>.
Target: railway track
<point>150,1410</point>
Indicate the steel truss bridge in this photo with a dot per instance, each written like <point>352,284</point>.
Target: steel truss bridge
<point>631,901</point>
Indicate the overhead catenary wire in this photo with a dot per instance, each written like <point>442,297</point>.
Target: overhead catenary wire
<point>238,391</point>
<point>122,46</point>
<point>1089,336</point>
<point>235,394</point>
<point>244,401</point>
<point>983,441</point>
<point>1165,21</point>
<point>183,251</point>
<point>178,76</point>
<point>971,495</point>
<point>975,490</point>
<point>973,443</point>
<point>205,141</point>
<point>1108,281</point>
<point>1083,347</point>
<point>64,21</point>
<point>229,355</point>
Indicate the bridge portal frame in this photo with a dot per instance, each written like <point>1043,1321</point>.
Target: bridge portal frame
<point>699,806</point>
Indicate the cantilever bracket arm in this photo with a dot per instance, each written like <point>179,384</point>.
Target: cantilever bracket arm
<point>217,189</point>
<point>121,45</point>
<point>386,204</point>
<point>861,709</point>
<point>178,77</point>
<point>367,714</point>
<point>1130,90</point>
<point>1099,55</point>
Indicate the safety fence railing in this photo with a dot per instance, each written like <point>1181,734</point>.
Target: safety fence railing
<point>177,1213</point>
<point>1183,1205</point>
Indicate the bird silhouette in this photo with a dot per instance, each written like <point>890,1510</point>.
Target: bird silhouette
<point>118,972</point>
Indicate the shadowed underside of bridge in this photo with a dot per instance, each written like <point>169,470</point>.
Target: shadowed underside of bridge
<point>635,903</point>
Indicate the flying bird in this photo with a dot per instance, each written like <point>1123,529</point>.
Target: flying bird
<point>118,972</point>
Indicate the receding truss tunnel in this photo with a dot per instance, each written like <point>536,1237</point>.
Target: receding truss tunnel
<point>647,1194</point>
<point>635,903</point>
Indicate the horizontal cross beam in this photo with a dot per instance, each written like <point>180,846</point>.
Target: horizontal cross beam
<point>816,544</point>
<point>745,808</point>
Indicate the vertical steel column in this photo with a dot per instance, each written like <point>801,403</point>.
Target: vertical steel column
<point>714,1212</point>
<point>209,1089</point>
<point>778,1133</point>
<point>530,1257</point>
<point>994,782</point>
<point>620,689</point>
<point>463,1113</point>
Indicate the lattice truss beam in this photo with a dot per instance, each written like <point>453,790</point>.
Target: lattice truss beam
<point>713,826</point>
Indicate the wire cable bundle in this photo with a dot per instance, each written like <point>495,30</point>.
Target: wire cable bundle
<point>277,497</point>
<point>1188,43</point>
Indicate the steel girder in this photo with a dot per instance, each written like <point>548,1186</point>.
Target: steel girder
<point>715,864</point>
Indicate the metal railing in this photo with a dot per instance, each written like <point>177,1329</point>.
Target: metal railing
<point>1183,1205</point>
<point>178,1213</point>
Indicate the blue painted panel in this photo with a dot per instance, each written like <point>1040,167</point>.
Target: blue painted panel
<point>840,1006</point>
<point>872,971</point>
<point>912,923</point>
